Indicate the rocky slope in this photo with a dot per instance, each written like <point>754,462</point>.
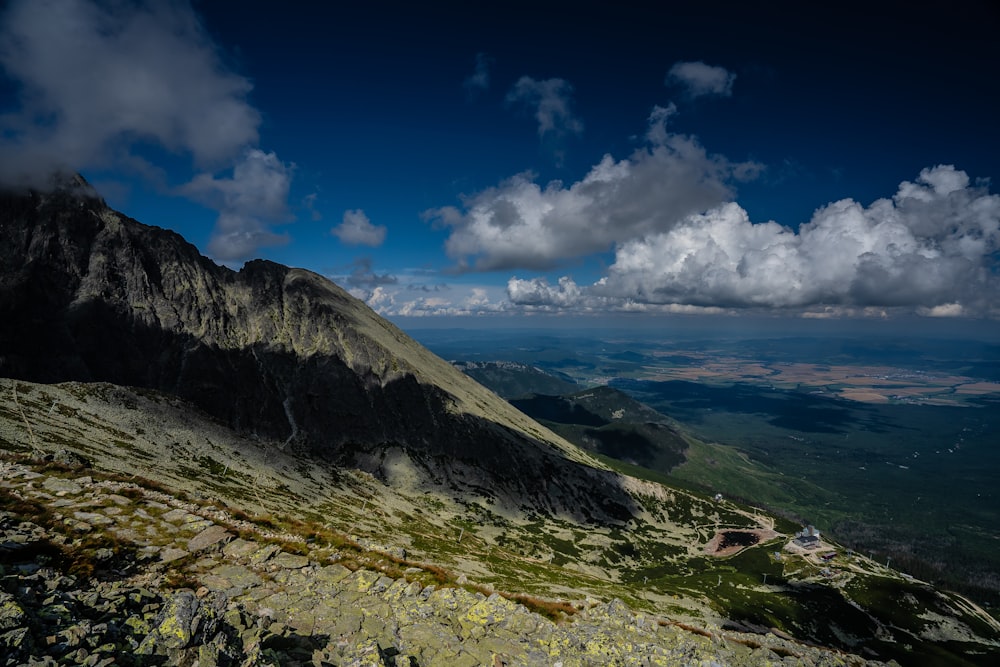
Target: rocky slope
<point>90,548</point>
<point>104,572</point>
<point>88,294</point>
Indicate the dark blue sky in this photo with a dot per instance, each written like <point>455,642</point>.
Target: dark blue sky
<point>359,142</point>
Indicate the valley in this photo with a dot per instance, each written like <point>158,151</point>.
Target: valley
<point>908,476</point>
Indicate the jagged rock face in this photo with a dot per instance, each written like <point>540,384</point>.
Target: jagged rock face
<point>89,294</point>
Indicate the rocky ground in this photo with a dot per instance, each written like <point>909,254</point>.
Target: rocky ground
<point>97,571</point>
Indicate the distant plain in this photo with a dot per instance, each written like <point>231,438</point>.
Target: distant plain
<point>890,445</point>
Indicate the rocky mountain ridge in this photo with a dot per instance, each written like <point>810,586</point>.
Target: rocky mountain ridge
<point>88,294</point>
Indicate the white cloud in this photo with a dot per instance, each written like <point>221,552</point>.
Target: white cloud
<point>931,249</point>
<point>519,224</point>
<point>357,229</point>
<point>419,292</point>
<point>538,292</point>
<point>253,197</point>
<point>98,79</point>
<point>537,295</point>
<point>699,79</point>
<point>94,81</point>
<point>550,100</point>
<point>479,80</point>
<point>452,300</point>
<point>943,310</point>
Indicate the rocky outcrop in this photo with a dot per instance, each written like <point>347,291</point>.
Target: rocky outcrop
<point>89,294</point>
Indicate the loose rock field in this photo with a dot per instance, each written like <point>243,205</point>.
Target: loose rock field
<point>113,574</point>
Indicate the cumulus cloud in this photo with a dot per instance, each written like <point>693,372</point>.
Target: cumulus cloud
<point>538,292</point>
<point>96,80</point>
<point>418,292</point>
<point>550,100</point>
<point>520,224</point>
<point>255,195</point>
<point>453,300</point>
<point>699,79</point>
<point>932,249</point>
<point>357,229</point>
<point>479,80</point>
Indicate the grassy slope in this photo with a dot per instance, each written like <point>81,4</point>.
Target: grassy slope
<point>654,563</point>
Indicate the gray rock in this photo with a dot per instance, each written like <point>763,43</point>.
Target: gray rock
<point>178,516</point>
<point>196,524</point>
<point>290,561</point>
<point>231,577</point>
<point>173,628</point>
<point>240,548</point>
<point>172,553</point>
<point>12,615</point>
<point>70,458</point>
<point>17,642</point>
<point>261,556</point>
<point>382,584</point>
<point>103,554</point>
<point>92,518</point>
<point>58,485</point>
<point>331,574</point>
<point>208,537</point>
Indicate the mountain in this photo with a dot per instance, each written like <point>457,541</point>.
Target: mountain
<point>601,419</point>
<point>609,422</point>
<point>251,467</point>
<point>510,379</point>
<point>88,294</point>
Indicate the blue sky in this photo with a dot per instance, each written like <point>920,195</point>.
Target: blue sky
<point>578,159</point>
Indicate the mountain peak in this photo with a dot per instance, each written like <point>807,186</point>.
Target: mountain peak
<point>280,352</point>
<point>74,183</point>
<point>59,188</point>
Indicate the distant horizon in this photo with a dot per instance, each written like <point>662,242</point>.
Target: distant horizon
<point>708,327</point>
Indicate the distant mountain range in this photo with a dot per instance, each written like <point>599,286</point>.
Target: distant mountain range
<point>510,379</point>
<point>601,419</point>
<point>609,422</point>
